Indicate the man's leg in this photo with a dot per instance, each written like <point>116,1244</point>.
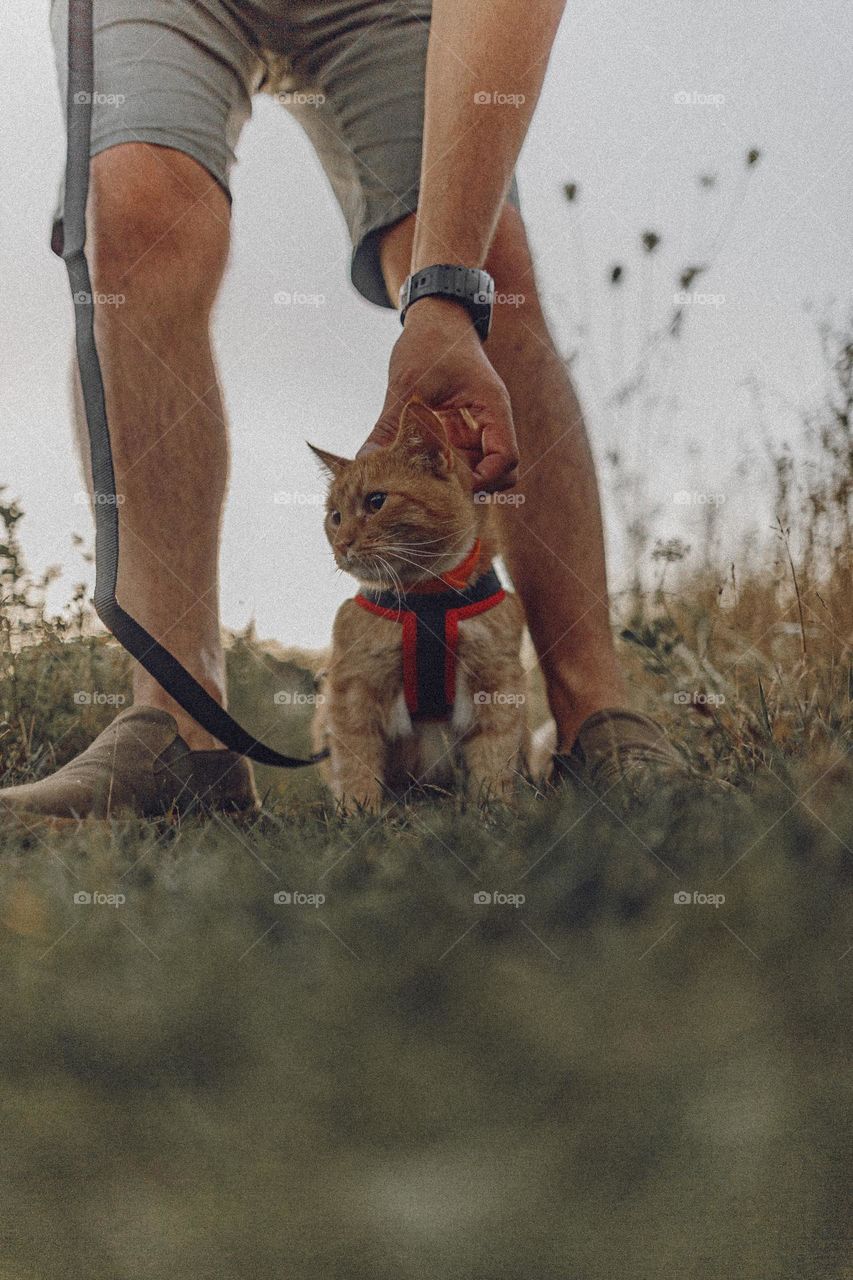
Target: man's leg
<point>159,239</point>
<point>553,542</point>
<point>159,236</point>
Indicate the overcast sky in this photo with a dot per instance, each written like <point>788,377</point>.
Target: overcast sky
<point>640,100</point>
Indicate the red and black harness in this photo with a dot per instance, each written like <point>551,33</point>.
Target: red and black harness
<point>430,620</point>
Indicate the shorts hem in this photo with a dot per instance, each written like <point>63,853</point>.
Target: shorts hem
<point>365,266</point>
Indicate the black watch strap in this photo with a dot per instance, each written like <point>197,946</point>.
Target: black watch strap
<point>472,288</point>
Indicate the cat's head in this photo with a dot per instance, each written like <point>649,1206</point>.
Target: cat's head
<point>405,513</point>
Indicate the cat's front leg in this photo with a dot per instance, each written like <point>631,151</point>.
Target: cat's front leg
<point>356,763</point>
<point>361,671</point>
<point>492,751</point>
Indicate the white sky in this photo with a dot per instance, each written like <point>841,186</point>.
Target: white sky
<point>609,120</point>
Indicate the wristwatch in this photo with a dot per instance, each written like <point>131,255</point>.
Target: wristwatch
<point>472,288</point>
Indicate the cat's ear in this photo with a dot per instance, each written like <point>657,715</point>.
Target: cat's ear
<point>423,437</point>
<point>333,464</point>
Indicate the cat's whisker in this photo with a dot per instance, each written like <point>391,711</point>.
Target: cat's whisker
<point>417,560</point>
<point>426,541</point>
<point>429,542</point>
<point>396,584</point>
<point>449,548</point>
<point>420,564</point>
<point>425,572</point>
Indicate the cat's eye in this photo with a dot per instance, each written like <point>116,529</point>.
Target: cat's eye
<point>374,501</point>
<point>334,517</point>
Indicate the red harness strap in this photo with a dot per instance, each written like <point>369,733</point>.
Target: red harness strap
<point>430,623</point>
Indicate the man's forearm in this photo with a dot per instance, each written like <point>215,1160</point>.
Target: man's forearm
<point>485,67</point>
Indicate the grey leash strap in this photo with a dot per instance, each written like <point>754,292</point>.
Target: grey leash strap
<point>157,660</point>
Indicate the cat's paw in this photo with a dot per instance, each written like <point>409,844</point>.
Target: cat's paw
<point>499,789</point>
<point>352,803</point>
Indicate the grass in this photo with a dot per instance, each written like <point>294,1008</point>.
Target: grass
<point>401,1082</point>
<point>597,1081</point>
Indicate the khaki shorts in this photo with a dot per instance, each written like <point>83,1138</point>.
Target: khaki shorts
<point>182,73</point>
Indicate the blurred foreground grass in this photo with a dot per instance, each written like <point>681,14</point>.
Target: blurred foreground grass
<point>400,1081</point>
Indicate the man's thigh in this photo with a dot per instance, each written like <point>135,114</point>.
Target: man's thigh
<point>171,73</point>
<point>357,87</point>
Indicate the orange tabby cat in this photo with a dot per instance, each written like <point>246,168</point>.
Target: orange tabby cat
<point>425,677</point>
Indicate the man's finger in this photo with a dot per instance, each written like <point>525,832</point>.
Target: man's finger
<point>494,474</point>
<point>383,434</point>
<point>498,467</point>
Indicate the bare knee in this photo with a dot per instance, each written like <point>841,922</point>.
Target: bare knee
<point>158,230</point>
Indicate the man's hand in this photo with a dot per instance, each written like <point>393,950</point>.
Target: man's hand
<point>440,358</point>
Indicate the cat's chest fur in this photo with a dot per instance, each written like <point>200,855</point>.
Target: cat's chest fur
<point>400,723</point>
<point>428,747</point>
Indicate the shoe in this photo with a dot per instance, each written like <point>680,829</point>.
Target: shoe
<point>139,766</point>
<point>616,745</point>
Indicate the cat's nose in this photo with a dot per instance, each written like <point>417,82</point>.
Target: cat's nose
<point>342,546</point>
